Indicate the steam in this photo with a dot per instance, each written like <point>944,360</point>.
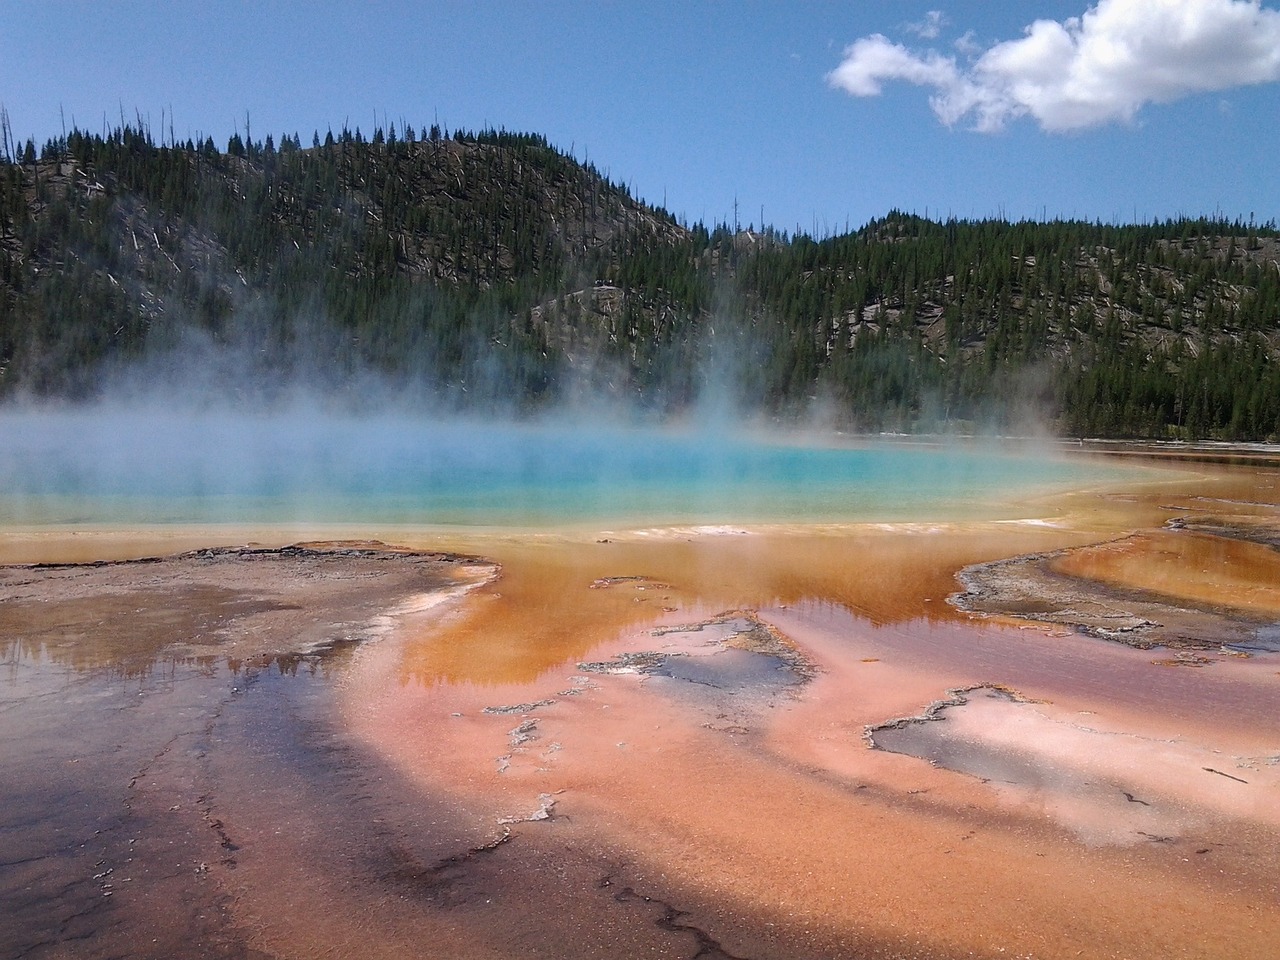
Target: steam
<point>250,425</point>
<point>151,461</point>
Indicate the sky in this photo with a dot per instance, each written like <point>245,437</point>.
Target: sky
<point>806,116</point>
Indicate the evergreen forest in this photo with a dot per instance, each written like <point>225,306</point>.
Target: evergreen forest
<point>477,268</point>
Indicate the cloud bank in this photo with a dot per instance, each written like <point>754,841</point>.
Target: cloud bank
<point>1098,68</point>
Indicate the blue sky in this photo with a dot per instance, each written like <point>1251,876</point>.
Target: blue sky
<point>945,107</point>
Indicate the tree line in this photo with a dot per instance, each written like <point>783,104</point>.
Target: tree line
<point>489,266</point>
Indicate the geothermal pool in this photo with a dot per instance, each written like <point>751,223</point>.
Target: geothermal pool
<point>106,466</point>
<point>685,695</point>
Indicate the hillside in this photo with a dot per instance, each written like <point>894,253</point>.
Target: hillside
<point>490,267</point>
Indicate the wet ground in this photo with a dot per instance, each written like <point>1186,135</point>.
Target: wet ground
<point>160,717</point>
<point>679,743</point>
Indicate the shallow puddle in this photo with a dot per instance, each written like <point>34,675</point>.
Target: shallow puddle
<point>1192,566</point>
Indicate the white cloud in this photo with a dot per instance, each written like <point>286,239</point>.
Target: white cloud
<point>874,59</point>
<point>930,27</point>
<point>1094,69</point>
<point>967,43</point>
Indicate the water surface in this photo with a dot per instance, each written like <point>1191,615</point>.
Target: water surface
<point>90,466</point>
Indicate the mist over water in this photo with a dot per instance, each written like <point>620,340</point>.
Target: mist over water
<point>148,462</point>
<point>259,426</point>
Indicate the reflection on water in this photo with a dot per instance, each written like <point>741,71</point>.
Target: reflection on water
<point>554,601</point>
<point>90,631</point>
<point>88,656</point>
<point>1180,563</point>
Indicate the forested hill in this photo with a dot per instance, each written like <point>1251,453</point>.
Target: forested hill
<point>491,267</point>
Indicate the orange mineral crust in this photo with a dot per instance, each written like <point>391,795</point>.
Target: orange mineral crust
<point>1053,736</point>
<point>1086,799</point>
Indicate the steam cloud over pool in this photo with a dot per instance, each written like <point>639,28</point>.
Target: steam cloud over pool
<point>100,466</point>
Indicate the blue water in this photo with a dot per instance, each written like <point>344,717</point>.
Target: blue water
<point>157,467</point>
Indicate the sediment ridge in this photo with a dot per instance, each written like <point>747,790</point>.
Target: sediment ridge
<point>1049,588</point>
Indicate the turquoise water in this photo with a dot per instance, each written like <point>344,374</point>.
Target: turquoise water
<point>90,467</point>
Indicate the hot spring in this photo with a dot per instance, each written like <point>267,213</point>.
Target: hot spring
<point>306,751</point>
<point>94,466</point>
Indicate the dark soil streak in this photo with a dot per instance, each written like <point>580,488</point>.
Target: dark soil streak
<point>437,881</point>
<point>671,920</point>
